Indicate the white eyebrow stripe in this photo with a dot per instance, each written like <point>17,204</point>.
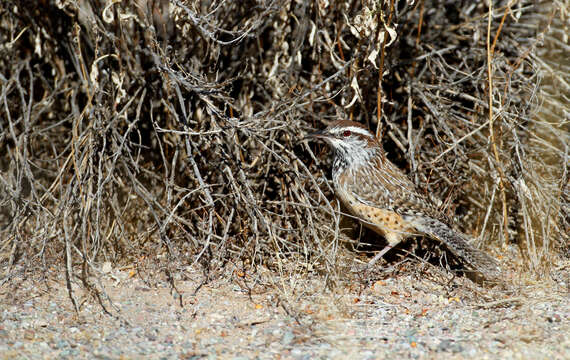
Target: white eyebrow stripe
<point>358,130</point>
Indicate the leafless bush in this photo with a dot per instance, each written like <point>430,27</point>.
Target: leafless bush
<point>172,129</point>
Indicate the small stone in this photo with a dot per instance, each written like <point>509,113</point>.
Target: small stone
<point>554,318</point>
<point>107,267</point>
<point>42,323</point>
<point>449,345</point>
<point>61,344</point>
<point>29,334</point>
<point>287,338</point>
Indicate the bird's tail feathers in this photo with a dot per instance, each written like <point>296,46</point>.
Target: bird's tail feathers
<point>476,259</point>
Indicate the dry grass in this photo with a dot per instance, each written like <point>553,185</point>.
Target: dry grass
<point>171,130</point>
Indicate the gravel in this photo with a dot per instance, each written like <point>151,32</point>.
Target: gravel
<point>399,317</point>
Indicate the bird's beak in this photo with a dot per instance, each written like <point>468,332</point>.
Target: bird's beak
<point>315,135</point>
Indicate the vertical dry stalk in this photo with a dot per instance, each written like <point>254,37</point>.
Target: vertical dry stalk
<point>170,131</point>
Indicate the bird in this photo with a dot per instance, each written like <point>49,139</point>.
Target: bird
<point>384,199</point>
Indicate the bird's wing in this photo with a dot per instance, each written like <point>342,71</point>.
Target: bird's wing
<point>387,187</point>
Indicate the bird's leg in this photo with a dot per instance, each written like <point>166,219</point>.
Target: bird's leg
<point>378,256</point>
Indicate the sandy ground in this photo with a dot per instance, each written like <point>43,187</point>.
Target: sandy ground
<point>408,314</point>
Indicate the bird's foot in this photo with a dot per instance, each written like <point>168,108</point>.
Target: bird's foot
<point>368,266</point>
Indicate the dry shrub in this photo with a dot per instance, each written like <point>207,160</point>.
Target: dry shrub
<point>172,130</point>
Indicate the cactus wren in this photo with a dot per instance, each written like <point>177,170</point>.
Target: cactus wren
<point>385,200</point>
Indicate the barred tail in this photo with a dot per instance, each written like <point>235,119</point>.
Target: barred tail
<point>479,261</point>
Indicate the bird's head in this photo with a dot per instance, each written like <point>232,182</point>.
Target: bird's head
<point>352,142</point>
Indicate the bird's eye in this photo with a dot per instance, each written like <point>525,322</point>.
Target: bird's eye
<point>346,133</point>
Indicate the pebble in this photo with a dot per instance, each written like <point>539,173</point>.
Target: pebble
<point>151,326</point>
<point>288,338</point>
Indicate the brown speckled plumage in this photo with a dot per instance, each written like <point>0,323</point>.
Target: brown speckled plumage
<point>385,200</point>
